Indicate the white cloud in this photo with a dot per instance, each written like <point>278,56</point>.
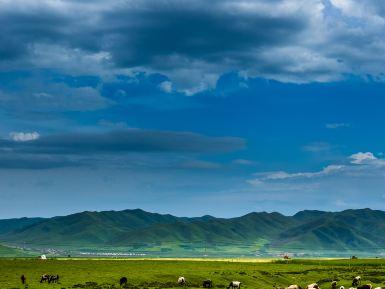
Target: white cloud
<point>362,158</point>
<point>337,125</point>
<point>371,11</point>
<point>360,165</point>
<point>24,136</point>
<point>282,175</point>
<point>166,86</point>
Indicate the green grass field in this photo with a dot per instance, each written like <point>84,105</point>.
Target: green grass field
<point>158,274</point>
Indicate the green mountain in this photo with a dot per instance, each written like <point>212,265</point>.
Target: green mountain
<point>357,230</point>
<point>9,225</point>
<point>350,229</point>
<point>248,229</point>
<point>87,228</point>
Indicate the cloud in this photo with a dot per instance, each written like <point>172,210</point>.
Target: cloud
<point>360,165</point>
<point>362,158</point>
<point>37,92</point>
<point>281,175</point>
<point>24,136</point>
<point>136,140</point>
<point>243,162</point>
<point>347,185</point>
<point>337,125</point>
<point>114,147</point>
<point>194,42</point>
<point>372,10</point>
<point>166,86</point>
<point>13,161</point>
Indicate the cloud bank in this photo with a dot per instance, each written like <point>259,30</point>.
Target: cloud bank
<point>78,149</point>
<point>194,42</point>
<point>360,164</point>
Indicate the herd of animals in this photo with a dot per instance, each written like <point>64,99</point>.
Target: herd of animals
<point>43,278</point>
<point>356,283</point>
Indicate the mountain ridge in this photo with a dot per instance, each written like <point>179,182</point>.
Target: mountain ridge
<point>353,229</point>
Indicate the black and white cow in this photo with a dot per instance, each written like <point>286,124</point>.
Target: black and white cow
<point>356,281</point>
<point>312,286</point>
<point>53,279</point>
<point>181,280</point>
<point>44,278</point>
<point>234,284</point>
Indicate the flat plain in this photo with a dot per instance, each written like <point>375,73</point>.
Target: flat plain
<point>159,274</point>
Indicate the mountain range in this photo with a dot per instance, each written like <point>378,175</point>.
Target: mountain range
<point>350,230</point>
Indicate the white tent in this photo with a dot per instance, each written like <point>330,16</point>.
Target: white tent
<point>43,257</point>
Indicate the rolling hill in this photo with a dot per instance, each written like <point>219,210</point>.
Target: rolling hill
<point>9,225</point>
<point>359,230</point>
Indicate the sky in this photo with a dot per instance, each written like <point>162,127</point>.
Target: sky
<point>218,107</point>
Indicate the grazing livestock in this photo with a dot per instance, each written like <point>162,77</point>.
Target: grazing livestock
<point>366,286</point>
<point>23,279</point>
<point>53,279</point>
<point>294,286</point>
<point>342,287</point>
<point>312,286</point>
<point>234,284</point>
<point>123,281</point>
<point>44,278</point>
<point>356,281</point>
<point>181,281</point>
<point>334,284</point>
<point>207,283</point>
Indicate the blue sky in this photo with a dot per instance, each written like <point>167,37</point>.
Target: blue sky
<point>191,107</point>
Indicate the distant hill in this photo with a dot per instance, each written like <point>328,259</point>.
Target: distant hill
<point>350,229</point>
<point>9,225</point>
<point>307,230</point>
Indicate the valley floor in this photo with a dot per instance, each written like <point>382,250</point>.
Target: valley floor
<point>159,274</point>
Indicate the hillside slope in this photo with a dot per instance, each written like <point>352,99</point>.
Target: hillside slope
<point>9,225</point>
<point>307,230</point>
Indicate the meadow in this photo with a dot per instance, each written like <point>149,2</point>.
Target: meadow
<point>159,274</point>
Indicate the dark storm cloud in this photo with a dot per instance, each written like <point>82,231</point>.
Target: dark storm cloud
<point>136,33</point>
<point>22,28</point>
<point>192,42</point>
<point>77,149</point>
<point>204,31</point>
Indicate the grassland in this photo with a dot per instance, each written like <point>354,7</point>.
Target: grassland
<point>158,274</point>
